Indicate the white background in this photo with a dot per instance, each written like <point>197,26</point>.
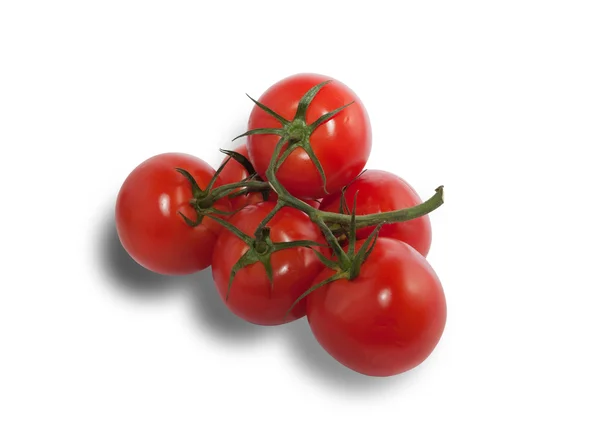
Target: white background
<point>498,101</point>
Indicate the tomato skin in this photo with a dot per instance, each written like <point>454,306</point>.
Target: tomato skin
<point>387,320</point>
<point>315,203</point>
<point>342,145</point>
<point>251,296</point>
<point>235,172</point>
<point>147,220</point>
<point>381,191</point>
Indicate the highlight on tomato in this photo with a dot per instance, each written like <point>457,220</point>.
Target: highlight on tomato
<point>148,215</point>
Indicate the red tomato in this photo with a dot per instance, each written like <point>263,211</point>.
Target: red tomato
<point>147,219</point>
<point>342,144</point>
<point>235,172</point>
<point>388,319</point>
<point>380,191</point>
<point>252,297</point>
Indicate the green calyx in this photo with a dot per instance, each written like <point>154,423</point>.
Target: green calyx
<point>261,251</point>
<point>260,248</point>
<point>202,200</point>
<point>347,264</point>
<point>296,132</point>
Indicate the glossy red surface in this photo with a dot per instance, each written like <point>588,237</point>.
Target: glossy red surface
<point>386,321</point>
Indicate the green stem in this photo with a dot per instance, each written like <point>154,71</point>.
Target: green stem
<point>342,256</point>
<point>400,215</point>
<point>268,218</point>
<point>362,221</point>
<point>286,198</point>
<point>225,190</point>
<point>241,235</point>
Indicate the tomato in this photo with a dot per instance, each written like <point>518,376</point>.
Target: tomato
<point>147,219</point>
<point>342,144</point>
<point>381,191</point>
<point>388,319</point>
<point>235,172</point>
<point>252,297</point>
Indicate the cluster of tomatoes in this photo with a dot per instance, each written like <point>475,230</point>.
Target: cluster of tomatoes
<point>283,223</point>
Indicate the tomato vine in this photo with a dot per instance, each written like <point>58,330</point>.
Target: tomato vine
<point>296,134</point>
<point>293,226</point>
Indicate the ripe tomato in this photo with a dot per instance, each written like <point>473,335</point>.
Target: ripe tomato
<point>388,319</point>
<point>235,172</point>
<point>342,144</point>
<point>380,191</point>
<point>147,219</point>
<point>252,297</point>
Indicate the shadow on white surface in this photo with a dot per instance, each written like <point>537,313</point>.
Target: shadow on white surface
<point>209,311</point>
<point>212,316</point>
<point>121,269</point>
<point>311,357</point>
